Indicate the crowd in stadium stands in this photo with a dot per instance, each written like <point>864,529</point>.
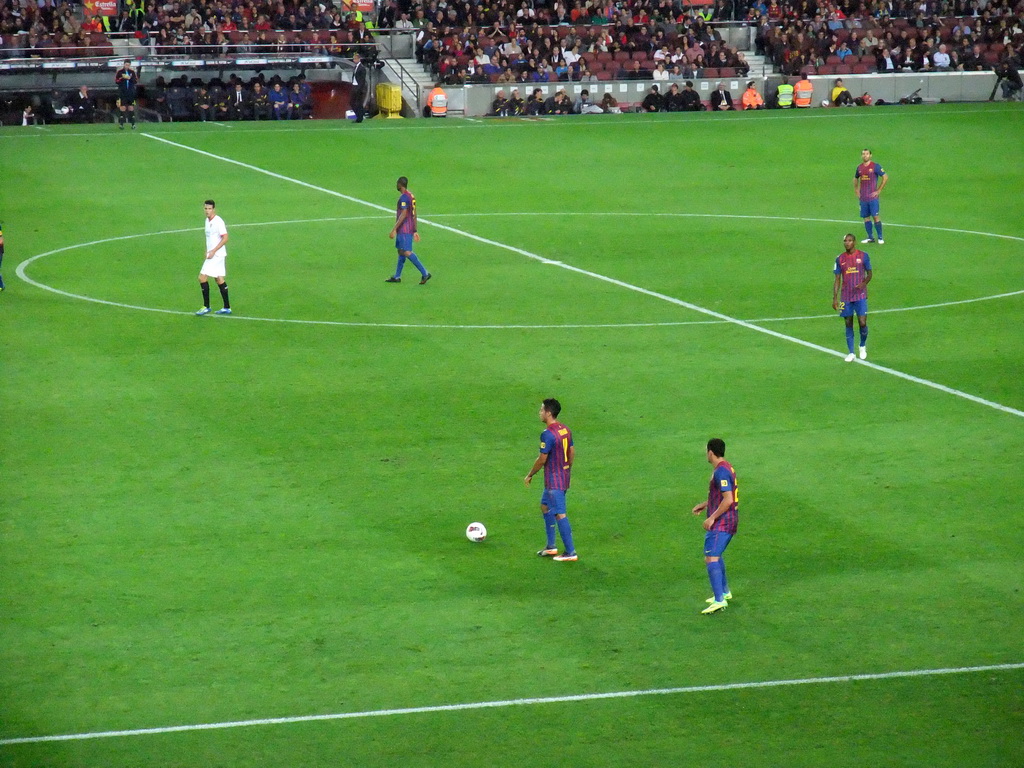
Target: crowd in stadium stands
<point>531,41</point>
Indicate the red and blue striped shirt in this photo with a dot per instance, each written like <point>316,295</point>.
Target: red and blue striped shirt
<point>853,267</point>
<point>407,202</point>
<point>723,479</point>
<point>555,442</point>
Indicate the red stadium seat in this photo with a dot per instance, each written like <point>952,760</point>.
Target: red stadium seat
<point>833,61</point>
<point>844,69</point>
<point>824,69</point>
<point>710,72</point>
<point>621,56</point>
<point>861,69</point>
<point>727,72</point>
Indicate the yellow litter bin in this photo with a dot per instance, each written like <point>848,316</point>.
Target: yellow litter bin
<point>389,100</point>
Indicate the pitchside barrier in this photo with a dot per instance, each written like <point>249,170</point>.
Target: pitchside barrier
<point>931,87</point>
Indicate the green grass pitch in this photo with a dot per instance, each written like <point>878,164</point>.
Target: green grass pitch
<point>213,520</point>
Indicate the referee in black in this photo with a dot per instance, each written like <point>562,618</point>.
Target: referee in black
<point>127,80</point>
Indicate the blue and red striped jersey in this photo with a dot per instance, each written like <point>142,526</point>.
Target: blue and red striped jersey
<point>723,479</point>
<point>555,442</point>
<point>406,202</point>
<point>868,174</point>
<point>853,267</point>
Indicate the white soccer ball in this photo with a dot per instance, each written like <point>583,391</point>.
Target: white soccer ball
<point>476,532</point>
<point>824,102</point>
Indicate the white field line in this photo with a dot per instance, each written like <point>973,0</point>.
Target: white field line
<point>574,121</point>
<point>20,271</point>
<point>604,278</point>
<point>514,703</point>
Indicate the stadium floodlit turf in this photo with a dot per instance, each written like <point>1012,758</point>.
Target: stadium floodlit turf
<point>222,520</point>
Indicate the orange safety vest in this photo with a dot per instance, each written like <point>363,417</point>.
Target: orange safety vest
<point>752,99</point>
<point>803,91</point>
<point>438,101</point>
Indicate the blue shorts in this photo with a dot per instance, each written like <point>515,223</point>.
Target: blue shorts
<point>868,208</point>
<point>851,308</point>
<point>715,543</point>
<point>554,500</point>
<point>403,242</point>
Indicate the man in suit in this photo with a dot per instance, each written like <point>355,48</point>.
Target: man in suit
<point>721,99</point>
<point>359,86</point>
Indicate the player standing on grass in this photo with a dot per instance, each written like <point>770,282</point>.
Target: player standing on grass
<point>127,85</point>
<point>556,457</point>
<point>868,182</point>
<point>720,523</point>
<point>215,265</point>
<point>850,292</point>
<point>404,233</point>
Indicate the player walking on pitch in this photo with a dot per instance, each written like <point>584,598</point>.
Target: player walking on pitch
<point>720,523</point>
<point>557,454</point>
<point>216,257</point>
<point>868,182</point>
<point>404,233</point>
<point>850,292</point>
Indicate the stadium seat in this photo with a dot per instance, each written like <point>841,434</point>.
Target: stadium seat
<point>604,76</point>
<point>710,72</point>
<point>824,69</point>
<point>861,69</point>
<point>833,61</point>
<point>727,72</point>
<point>605,56</point>
<point>621,56</point>
<point>844,69</point>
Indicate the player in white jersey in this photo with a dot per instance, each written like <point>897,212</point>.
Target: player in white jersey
<point>216,256</point>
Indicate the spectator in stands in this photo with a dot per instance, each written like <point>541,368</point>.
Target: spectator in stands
<point>203,105</point>
<point>83,107</point>
<point>638,72</point>
<point>261,109</point>
<point>609,104</point>
<point>653,101</point>
<point>885,62</point>
<point>940,59</point>
<point>721,99</point>
<point>975,60</point>
<point>674,99</point>
<point>585,106</point>
<point>507,76</point>
<point>279,102</point>
<point>751,98</point>
<point>691,99</point>
<point>660,73</point>
<point>840,96</point>
<point>742,67</point>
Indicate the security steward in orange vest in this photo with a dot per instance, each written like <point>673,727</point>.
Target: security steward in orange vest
<point>437,102</point>
<point>803,92</point>
<point>751,98</point>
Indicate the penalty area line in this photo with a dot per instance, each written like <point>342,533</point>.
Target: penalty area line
<point>516,703</point>
<point>611,280</point>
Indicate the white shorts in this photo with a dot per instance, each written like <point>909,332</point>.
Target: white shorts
<point>214,267</point>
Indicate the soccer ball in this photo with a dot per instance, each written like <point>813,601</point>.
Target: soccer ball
<point>824,102</point>
<point>476,532</point>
